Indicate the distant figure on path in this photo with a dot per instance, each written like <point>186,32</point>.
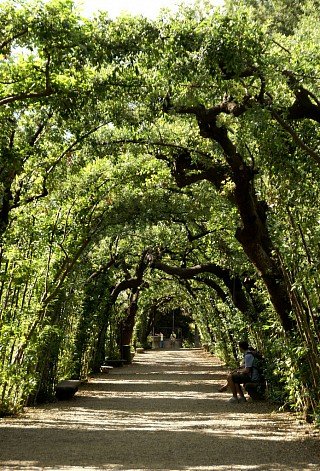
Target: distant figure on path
<point>173,339</point>
<point>161,340</point>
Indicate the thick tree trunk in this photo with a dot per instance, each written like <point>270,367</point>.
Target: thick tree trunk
<point>256,243</point>
<point>100,349</point>
<point>253,234</point>
<point>128,325</point>
<point>5,209</point>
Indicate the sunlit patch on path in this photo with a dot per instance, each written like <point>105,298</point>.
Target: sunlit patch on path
<point>163,412</point>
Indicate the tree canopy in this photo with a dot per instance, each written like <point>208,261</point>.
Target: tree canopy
<point>153,167</point>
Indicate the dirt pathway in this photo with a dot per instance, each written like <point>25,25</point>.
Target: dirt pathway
<point>163,412</point>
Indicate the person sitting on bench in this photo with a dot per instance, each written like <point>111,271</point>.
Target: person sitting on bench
<point>247,373</point>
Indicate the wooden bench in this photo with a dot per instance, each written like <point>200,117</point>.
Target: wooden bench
<point>66,389</point>
<point>115,363</point>
<point>106,369</point>
<point>256,390</point>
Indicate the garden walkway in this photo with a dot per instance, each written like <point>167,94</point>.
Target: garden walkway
<point>163,412</point>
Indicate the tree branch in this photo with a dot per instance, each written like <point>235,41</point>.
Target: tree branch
<point>231,281</point>
<point>72,146</point>
<point>132,283</point>
<point>296,138</point>
<point>8,41</point>
<point>26,96</point>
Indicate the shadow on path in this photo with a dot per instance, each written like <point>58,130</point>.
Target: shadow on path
<point>163,412</point>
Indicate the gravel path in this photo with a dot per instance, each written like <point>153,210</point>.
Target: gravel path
<point>163,412</point>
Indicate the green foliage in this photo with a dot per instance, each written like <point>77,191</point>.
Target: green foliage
<point>106,169</point>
